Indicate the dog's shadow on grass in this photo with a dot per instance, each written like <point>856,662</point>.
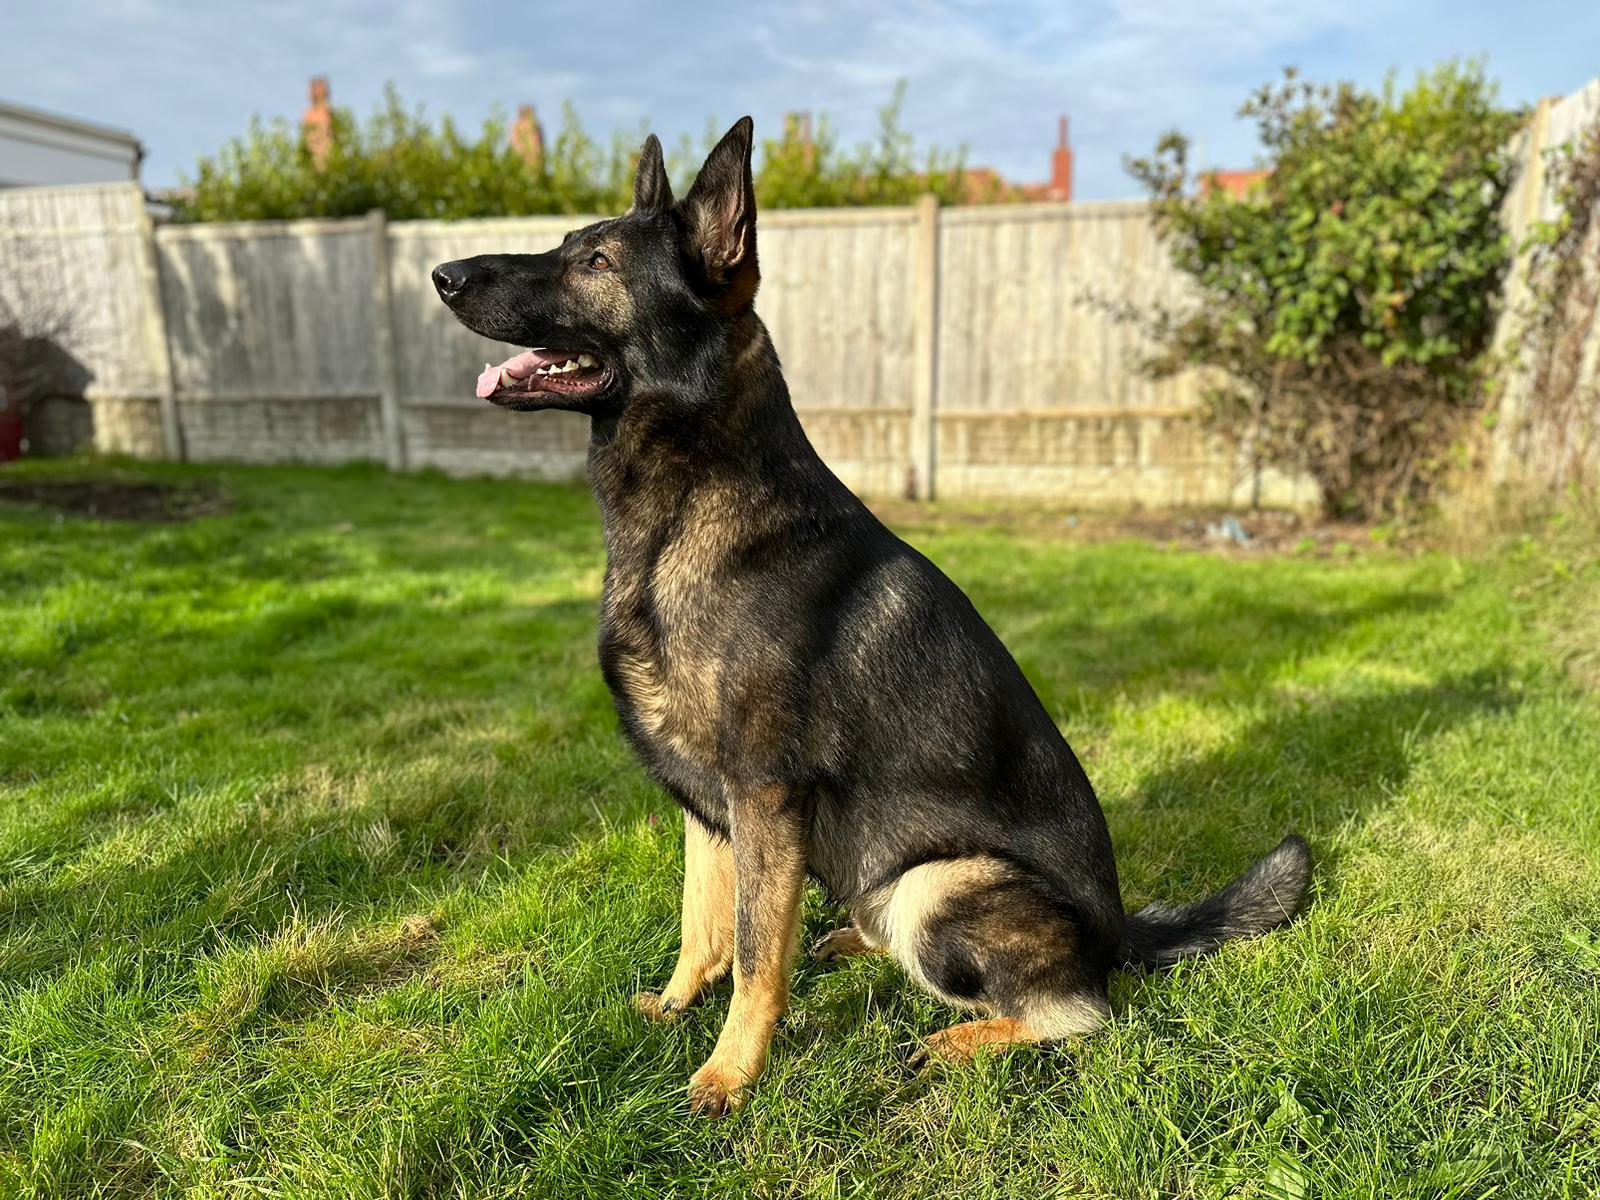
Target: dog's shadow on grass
<point>1309,766</point>
<point>1088,663</point>
<point>1184,831</point>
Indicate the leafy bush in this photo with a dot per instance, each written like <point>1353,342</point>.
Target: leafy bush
<point>801,171</point>
<point>1345,302</point>
<point>402,162</point>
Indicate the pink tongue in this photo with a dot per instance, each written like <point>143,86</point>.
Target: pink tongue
<point>520,366</point>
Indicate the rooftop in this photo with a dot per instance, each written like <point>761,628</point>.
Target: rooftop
<point>71,124</point>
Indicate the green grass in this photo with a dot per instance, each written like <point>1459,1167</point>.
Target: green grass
<point>324,871</point>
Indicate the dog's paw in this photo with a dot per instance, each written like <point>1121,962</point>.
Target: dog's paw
<point>845,942</point>
<point>715,1092</point>
<point>953,1045</point>
<point>656,1008</point>
<point>961,1043</point>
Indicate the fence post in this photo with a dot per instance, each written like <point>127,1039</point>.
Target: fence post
<point>157,336</point>
<point>1519,212</point>
<point>1538,133</point>
<point>925,354</point>
<point>383,340</point>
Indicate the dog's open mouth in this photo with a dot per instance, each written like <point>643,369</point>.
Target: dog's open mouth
<point>542,372</point>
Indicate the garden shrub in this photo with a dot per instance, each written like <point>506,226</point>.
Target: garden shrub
<point>1344,304</point>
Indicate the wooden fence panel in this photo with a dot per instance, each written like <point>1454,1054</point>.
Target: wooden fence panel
<point>920,347</point>
<point>269,309</point>
<point>80,247</point>
<point>1017,329</point>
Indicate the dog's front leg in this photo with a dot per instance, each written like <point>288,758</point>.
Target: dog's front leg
<point>706,951</point>
<point>769,863</point>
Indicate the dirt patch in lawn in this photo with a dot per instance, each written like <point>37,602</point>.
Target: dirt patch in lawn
<point>1228,531</point>
<point>111,500</point>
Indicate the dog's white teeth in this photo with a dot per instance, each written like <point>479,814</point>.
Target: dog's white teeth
<point>507,379</point>
<point>569,365</point>
<point>544,370</point>
<point>585,360</point>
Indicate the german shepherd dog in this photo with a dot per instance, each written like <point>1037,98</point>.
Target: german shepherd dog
<point>817,695</point>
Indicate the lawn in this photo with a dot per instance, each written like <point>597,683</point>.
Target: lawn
<point>324,871</point>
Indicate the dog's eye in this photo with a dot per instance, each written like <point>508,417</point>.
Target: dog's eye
<point>599,262</point>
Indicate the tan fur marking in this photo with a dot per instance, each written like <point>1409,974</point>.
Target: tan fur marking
<point>903,909</point>
<point>605,293</point>
<point>1051,1017</point>
<point>920,893</point>
<point>1047,1021</point>
<point>677,703</point>
<point>646,689</point>
<point>769,879</point>
<point>712,519</point>
<point>676,693</point>
<point>960,1042</point>
<point>706,950</point>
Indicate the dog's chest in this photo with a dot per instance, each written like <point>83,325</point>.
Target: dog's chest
<point>669,693</point>
<point>664,626</point>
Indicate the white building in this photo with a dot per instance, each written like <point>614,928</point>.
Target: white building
<point>40,149</point>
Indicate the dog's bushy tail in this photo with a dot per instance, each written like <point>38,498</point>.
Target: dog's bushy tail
<point>1269,894</point>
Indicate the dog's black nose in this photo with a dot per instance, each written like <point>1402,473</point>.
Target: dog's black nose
<point>449,278</point>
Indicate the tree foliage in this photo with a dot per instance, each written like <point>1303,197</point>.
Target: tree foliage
<point>411,166</point>
<point>406,164</point>
<point>798,171</point>
<point>1346,301</point>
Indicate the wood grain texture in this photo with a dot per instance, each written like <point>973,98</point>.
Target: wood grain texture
<point>1532,444</point>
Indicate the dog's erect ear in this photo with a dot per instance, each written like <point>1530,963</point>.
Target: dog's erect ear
<point>652,190</point>
<point>720,211</point>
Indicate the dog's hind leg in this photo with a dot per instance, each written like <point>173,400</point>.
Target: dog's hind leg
<point>706,951</point>
<point>1050,1018</point>
<point>980,934</point>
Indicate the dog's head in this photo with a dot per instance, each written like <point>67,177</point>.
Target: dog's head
<point>623,305</point>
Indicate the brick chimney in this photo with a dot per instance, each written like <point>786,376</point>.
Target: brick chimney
<point>527,136</point>
<point>316,124</point>
<point>1061,166</point>
<point>797,125</point>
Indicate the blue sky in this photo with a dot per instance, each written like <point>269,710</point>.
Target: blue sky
<point>184,76</point>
